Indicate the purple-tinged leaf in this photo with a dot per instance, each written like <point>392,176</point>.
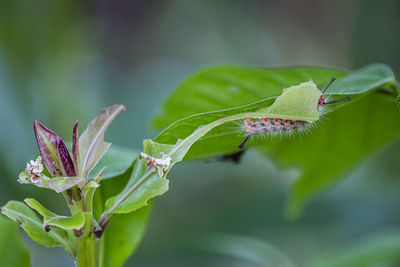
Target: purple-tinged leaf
<point>91,143</point>
<point>75,148</point>
<point>60,184</point>
<point>66,164</point>
<point>47,142</point>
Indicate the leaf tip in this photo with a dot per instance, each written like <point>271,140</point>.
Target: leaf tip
<point>75,128</point>
<point>35,125</point>
<point>123,107</point>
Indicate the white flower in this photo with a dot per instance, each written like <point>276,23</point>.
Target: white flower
<point>35,169</point>
<point>162,165</point>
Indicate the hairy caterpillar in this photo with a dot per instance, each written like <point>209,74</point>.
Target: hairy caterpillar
<point>296,107</point>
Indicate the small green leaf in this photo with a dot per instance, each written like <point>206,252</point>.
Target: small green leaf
<point>109,188</point>
<point>90,186</point>
<point>33,226</point>
<point>91,142</point>
<point>13,252</point>
<point>60,184</point>
<point>49,218</point>
<point>138,191</point>
<point>24,177</point>
<point>88,191</point>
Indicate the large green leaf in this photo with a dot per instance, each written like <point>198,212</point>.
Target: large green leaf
<point>223,87</point>
<point>262,90</point>
<point>338,142</point>
<point>33,226</point>
<point>13,252</point>
<point>249,249</point>
<point>382,248</point>
<point>123,236</point>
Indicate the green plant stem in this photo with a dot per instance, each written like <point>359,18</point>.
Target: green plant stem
<point>86,251</point>
<point>86,245</point>
<point>101,251</point>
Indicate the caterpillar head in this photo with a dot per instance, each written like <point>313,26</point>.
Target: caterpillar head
<point>322,101</point>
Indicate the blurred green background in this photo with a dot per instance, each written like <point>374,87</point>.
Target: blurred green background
<point>64,60</point>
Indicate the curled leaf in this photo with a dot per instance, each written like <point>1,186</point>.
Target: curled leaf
<point>26,178</point>
<point>91,142</point>
<point>47,142</point>
<point>66,164</point>
<point>75,148</point>
<point>60,184</point>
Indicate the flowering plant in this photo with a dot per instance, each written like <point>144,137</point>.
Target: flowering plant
<point>54,169</point>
